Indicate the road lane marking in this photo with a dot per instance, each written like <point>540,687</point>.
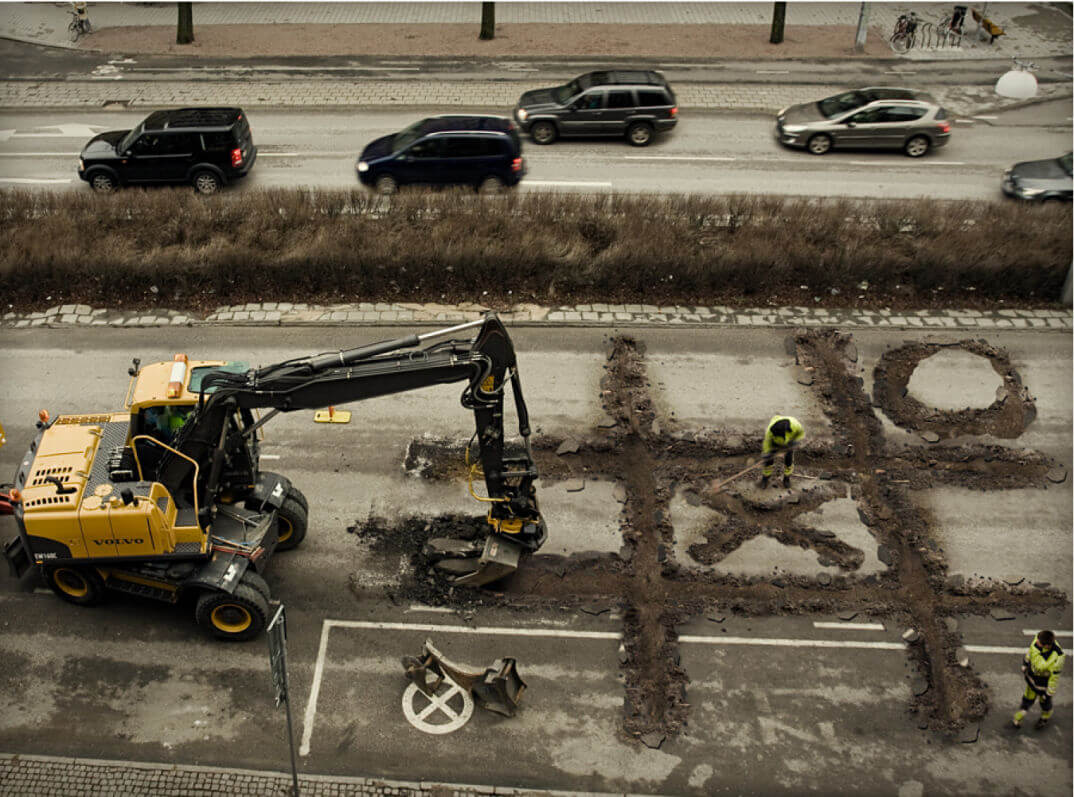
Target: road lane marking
<point>792,643</point>
<point>566,182</point>
<point>270,456</point>
<point>852,626</point>
<point>277,154</point>
<point>39,154</point>
<point>315,690</point>
<point>683,158</point>
<point>902,163</point>
<point>773,71</point>
<point>1031,632</point>
<point>34,180</point>
<point>899,72</point>
<point>986,117</point>
<point>437,609</point>
<point>992,649</point>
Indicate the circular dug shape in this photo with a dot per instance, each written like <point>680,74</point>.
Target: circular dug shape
<point>441,705</point>
<point>930,396</point>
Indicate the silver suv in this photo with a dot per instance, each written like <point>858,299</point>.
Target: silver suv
<point>869,118</point>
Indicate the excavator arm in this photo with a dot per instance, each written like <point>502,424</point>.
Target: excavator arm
<point>485,363</point>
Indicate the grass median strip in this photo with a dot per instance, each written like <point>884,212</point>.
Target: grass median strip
<point>169,246</point>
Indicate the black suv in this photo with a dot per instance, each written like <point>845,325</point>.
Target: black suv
<point>482,151</point>
<point>207,147</point>
<point>631,103</point>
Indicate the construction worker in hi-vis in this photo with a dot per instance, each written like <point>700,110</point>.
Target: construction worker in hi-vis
<point>1041,667</point>
<point>782,434</point>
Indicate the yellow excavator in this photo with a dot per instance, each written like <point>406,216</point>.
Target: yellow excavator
<point>167,497</point>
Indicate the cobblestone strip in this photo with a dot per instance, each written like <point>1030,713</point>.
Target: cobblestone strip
<point>383,314</point>
<point>486,94</point>
<point>46,776</point>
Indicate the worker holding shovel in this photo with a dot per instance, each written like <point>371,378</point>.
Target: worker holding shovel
<point>782,434</point>
<point>1041,667</point>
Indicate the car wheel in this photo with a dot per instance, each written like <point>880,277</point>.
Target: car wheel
<point>544,133</point>
<point>916,146</point>
<point>819,144</point>
<point>206,183</point>
<point>386,184</point>
<point>102,182</point>
<point>639,134</point>
<point>491,185</point>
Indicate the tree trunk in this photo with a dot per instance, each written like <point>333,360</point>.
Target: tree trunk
<point>488,21</point>
<point>779,14</point>
<point>184,33</point>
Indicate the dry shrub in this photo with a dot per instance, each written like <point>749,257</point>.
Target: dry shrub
<point>286,244</point>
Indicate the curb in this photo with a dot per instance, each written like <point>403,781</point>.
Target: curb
<point>597,315</point>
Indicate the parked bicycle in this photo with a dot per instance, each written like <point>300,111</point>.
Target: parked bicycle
<point>80,22</point>
<point>902,39</point>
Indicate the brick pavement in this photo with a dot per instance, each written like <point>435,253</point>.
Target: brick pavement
<point>385,314</point>
<point>47,776</point>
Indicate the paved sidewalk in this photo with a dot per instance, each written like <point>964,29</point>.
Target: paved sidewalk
<point>587,315</point>
<point>48,776</point>
<point>1032,29</point>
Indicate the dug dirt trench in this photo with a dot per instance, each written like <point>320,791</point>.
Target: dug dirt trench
<point>652,458</point>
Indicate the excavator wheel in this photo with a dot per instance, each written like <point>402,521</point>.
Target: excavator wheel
<point>300,497</point>
<point>252,578</point>
<point>293,520</point>
<point>80,585</point>
<point>236,617</point>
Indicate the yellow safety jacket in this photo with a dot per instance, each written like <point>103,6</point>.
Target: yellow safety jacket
<point>1043,669</point>
<point>771,442</point>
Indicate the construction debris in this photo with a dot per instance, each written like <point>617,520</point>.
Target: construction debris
<point>497,688</point>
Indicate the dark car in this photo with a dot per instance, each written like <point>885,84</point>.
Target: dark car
<point>628,102</point>
<point>869,118</point>
<point>1040,181</point>
<point>206,147</point>
<point>480,151</point>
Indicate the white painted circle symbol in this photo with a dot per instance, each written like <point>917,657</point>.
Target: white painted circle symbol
<point>441,704</point>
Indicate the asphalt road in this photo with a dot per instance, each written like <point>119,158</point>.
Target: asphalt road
<point>820,706</point>
<point>707,153</point>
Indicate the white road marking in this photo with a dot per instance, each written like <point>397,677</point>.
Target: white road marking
<point>39,154</point>
<point>851,626</point>
<point>1031,632</point>
<point>327,625</point>
<point>33,180</point>
<point>986,117</point>
<point>270,456</point>
<point>438,609</point>
<point>683,158</point>
<point>566,182</point>
<point>893,163</point>
<point>42,591</point>
<point>277,154</point>
<point>438,702</point>
<point>964,121</point>
<point>276,68</point>
<point>773,71</point>
<point>62,131</point>
<point>899,72</point>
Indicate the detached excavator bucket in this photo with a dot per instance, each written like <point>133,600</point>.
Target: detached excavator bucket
<point>498,558</point>
<point>497,688</point>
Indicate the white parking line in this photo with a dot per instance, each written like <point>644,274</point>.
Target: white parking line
<point>903,163</point>
<point>436,609</point>
<point>986,117</point>
<point>34,180</point>
<point>992,649</point>
<point>277,154</point>
<point>1031,632</point>
<point>850,626</point>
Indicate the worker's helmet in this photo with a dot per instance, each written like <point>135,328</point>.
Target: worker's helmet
<point>781,427</point>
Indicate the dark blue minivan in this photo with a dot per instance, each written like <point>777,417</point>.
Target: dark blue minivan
<point>480,151</point>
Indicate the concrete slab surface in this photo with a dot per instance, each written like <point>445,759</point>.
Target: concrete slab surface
<point>954,379</point>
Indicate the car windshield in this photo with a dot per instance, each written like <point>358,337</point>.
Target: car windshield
<point>404,138</point>
<point>1064,161</point>
<point>841,103</point>
<point>563,93</point>
<point>130,138</point>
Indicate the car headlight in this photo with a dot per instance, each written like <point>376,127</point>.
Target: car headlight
<point>783,111</point>
<point>1030,192</point>
<point>522,114</point>
<point>793,128</point>
<point>363,166</point>
<point>81,165</point>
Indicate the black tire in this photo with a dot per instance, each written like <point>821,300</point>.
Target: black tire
<point>72,31</point>
<point>386,185</point>
<point>82,586</point>
<point>900,43</point>
<point>819,144</point>
<point>917,146</point>
<point>102,182</point>
<point>544,133</point>
<point>236,617</point>
<point>254,579</point>
<point>300,497</point>
<point>292,522</point>
<point>491,185</point>
<point>206,182</point>
<point>640,134</point>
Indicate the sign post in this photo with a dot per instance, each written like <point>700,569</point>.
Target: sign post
<point>277,640</point>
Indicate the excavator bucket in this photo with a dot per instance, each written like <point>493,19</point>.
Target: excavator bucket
<point>497,688</point>
<point>499,558</point>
